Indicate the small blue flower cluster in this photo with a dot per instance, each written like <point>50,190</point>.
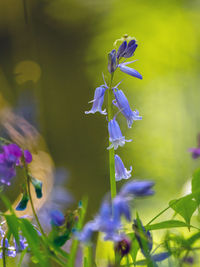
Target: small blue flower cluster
<point>108,221</point>
<point>120,101</point>
<point>12,250</point>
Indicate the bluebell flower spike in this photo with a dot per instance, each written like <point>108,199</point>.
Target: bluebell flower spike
<point>120,171</point>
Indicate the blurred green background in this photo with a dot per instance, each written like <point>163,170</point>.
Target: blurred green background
<point>52,55</point>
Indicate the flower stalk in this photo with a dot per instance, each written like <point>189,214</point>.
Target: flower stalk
<point>28,181</point>
<point>111,151</point>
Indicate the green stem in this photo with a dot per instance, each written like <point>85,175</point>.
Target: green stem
<point>30,197</point>
<point>158,215</point>
<point>111,151</point>
<point>75,242</point>
<point>4,250</point>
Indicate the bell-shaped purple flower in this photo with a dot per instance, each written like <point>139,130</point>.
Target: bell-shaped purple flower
<point>116,137</point>
<point>112,61</point>
<point>120,171</point>
<point>137,188</point>
<point>122,103</point>
<point>129,71</point>
<point>98,101</point>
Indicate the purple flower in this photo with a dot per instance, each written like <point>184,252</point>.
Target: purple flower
<point>28,157</point>
<point>86,234</point>
<point>121,207</point>
<point>98,101</point>
<point>6,173</point>
<point>121,50</point>
<point>112,61</point>
<point>123,105</point>
<point>9,159</point>
<point>10,250</point>
<point>123,247</point>
<point>137,188</point>
<point>120,171</point>
<point>22,244</point>
<point>116,137</point>
<point>107,224</point>
<point>57,218</point>
<point>195,152</point>
<point>127,51</point>
<point>129,71</point>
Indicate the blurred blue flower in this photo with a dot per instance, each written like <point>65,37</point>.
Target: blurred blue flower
<point>121,208</point>
<point>98,101</point>
<point>112,61</point>
<point>59,199</point>
<point>12,250</point>
<point>116,137</point>
<point>86,234</point>
<point>57,218</point>
<point>195,152</point>
<point>120,171</point>
<point>129,70</point>
<point>137,188</point>
<point>122,103</point>
<point>160,256</point>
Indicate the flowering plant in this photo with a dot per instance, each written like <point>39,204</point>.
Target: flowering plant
<point>133,247</point>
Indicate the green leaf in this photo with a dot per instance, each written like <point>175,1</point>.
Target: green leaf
<point>13,225</point>
<point>193,238</point>
<point>196,185</point>
<point>23,253</point>
<point>139,231</point>
<point>33,240</point>
<point>184,206</point>
<point>166,225</point>
<point>134,246</point>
